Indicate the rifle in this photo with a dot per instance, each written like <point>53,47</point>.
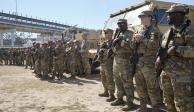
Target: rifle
<point>116,36</point>
<point>135,55</point>
<point>162,52</point>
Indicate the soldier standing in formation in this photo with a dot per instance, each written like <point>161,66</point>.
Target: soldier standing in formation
<point>73,59</point>
<point>50,53</point>
<point>121,66</point>
<point>106,70</point>
<point>44,61</point>
<point>84,54</point>
<point>28,56</point>
<point>78,61</point>
<point>146,41</point>
<point>177,50</point>
<point>59,54</point>
<point>37,58</point>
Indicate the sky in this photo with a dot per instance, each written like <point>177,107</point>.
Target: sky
<point>84,13</point>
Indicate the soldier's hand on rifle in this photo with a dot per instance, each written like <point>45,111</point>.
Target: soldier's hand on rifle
<point>137,38</point>
<point>158,64</point>
<point>116,41</point>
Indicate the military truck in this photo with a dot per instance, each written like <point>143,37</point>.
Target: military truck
<point>93,38</point>
<point>131,14</point>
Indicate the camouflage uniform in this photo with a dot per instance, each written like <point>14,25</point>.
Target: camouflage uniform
<point>176,76</point>
<point>147,82</point>
<point>28,54</point>
<point>32,59</point>
<point>58,67</point>
<point>106,70</point>
<point>72,59</point>
<point>37,57</point>
<point>44,61</point>
<point>84,53</point>
<point>6,57</point>
<point>10,56</point>
<point>51,53</point>
<point>78,63</point>
<point>67,55</point>
<point>22,56</point>
<point>122,68</point>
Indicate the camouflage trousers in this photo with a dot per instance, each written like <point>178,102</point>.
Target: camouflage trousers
<point>176,85</point>
<point>37,67</point>
<point>44,68</point>
<point>32,60</point>
<point>28,62</point>
<point>86,65</point>
<point>58,68</point>
<point>73,67</point>
<point>78,66</point>
<point>108,83</point>
<point>148,85</point>
<point>123,79</point>
<point>50,65</point>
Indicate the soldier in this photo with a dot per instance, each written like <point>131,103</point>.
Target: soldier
<point>67,55</point>
<point>10,56</point>
<point>33,55</point>
<point>72,59</point>
<point>121,66</point>
<point>37,57</point>
<point>107,67</point>
<point>84,53</point>
<point>177,49</point>
<point>6,56</point>
<point>59,54</point>
<point>145,42</point>
<point>27,54</point>
<point>44,61</point>
<point>22,56</point>
<point>51,48</point>
<point>78,63</point>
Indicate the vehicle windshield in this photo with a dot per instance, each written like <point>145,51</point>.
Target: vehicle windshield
<point>132,16</point>
<point>112,22</point>
<point>162,17</point>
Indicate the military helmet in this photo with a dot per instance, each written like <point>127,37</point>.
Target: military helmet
<point>178,8</point>
<point>146,13</point>
<point>122,21</point>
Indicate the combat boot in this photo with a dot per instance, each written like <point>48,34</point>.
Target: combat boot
<point>171,108</point>
<point>118,102</point>
<point>105,94</point>
<point>143,107</point>
<point>129,106</point>
<point>111,98</point>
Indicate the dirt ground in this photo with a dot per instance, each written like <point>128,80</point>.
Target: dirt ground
<point>21,91</point>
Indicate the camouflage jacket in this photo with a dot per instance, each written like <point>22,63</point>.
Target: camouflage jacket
<point>148,47</point>
<point>59,53</point>
<point>102,56</point>
<point>123,51</point>
<point>184,42</point>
